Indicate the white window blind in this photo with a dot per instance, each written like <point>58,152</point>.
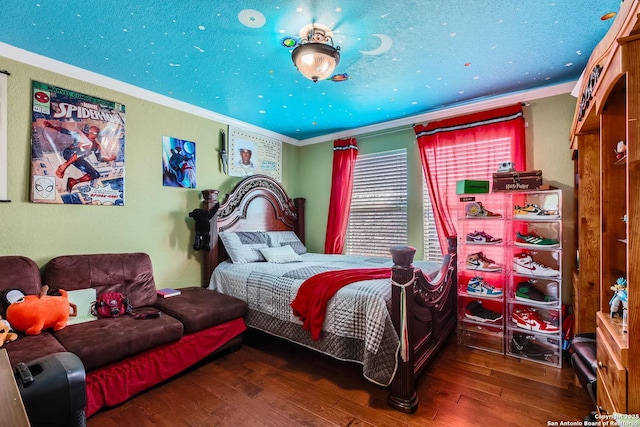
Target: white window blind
<point>468,160</point>
<point>378,214</point>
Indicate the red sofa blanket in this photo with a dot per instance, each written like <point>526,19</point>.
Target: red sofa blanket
<point>310,303</point>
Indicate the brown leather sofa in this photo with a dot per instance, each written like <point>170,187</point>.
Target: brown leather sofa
<point>585,363</point>
<point>124,356</point>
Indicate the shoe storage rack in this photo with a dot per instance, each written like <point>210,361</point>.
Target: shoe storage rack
<point>509,274</point>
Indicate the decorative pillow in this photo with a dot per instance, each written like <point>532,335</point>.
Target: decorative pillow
<point>244,246</point>
<point>286,238</point>
<point>281,254</point>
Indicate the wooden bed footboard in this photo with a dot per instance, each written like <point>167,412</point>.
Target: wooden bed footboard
<point>430,307</point>
<point>258,203</point>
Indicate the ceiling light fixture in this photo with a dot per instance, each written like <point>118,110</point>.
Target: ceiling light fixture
<point>316,57</point>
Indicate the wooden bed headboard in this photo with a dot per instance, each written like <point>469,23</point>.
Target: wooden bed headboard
<point>257,203</point>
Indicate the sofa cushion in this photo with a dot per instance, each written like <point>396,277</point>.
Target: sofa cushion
<point>128,273</point>
<point>18,272</point>
<point>30,347</point>
<point>199,308</point>
<point>105,341</point>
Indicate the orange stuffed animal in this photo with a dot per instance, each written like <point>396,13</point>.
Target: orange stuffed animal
<point>34,313</point>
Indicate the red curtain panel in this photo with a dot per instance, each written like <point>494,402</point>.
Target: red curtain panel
<point>345,152</point>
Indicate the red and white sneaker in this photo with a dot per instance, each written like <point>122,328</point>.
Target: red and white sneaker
<point>528,318</point>
<point>523,263</point>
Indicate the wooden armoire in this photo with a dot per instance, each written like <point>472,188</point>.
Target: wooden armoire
<point>605,137</point>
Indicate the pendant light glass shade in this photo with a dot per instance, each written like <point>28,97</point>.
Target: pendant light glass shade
<point>316,61</point>
<point>315,58</point>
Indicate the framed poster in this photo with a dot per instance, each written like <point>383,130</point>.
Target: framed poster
<point>178,163</point>
<point>77,148</point>
<point>250,154</point>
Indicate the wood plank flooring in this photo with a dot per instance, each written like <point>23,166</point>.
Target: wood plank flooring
<point>269,382</point>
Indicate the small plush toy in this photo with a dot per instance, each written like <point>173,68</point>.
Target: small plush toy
<point>620,296</point>
<point>203,227</point>
<point>6,334</point>
<point>34,313</point>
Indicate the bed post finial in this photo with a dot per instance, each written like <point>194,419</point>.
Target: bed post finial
<point>403,396</point>
<point>209,198</point>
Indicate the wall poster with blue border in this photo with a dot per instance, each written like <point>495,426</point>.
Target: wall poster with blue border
<point>77,148</point>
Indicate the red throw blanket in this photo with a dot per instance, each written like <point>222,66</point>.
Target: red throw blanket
<point>310,304</point>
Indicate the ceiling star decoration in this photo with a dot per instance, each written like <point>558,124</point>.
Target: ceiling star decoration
<point>385,44</point>
<point>251,18</point>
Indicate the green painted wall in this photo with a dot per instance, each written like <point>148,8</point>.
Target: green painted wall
<point>154,219</point>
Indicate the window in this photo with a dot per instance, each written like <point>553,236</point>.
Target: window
<point>378,214</point>
<point>470,159</point>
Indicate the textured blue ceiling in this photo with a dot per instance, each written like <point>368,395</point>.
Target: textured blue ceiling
<point>402,58</point>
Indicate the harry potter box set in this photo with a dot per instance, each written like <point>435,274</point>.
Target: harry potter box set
<point>517,181</point>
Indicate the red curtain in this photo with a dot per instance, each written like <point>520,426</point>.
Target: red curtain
<point>451,149</point>
<point>345,152</point>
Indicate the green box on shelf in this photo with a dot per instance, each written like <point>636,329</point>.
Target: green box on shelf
<point>470,186</point>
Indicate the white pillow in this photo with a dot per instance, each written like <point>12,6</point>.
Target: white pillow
<point>82,298</point>
<point>281,255</point>
<point>286,238</point>
<point>244,246</point>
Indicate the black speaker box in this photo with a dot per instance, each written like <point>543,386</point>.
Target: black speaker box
<point>53,390</point>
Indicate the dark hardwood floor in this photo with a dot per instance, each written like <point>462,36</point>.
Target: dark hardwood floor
<point>269,382</point>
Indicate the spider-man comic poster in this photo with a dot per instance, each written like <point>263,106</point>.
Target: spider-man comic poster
<point>77,148</point>
<point>178,163</point>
